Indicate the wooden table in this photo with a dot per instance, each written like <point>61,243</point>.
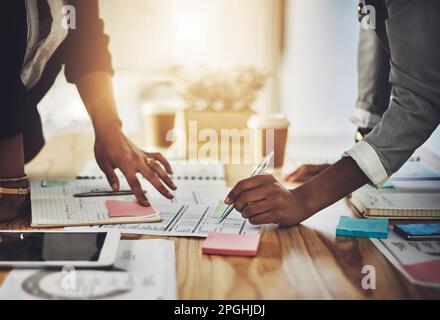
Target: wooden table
<point>301,262</point>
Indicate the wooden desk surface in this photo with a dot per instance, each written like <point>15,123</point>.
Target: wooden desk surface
<point>301,262</point>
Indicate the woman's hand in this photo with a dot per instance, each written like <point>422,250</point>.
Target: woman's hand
<point>112,148</point>
<point>115,150</point>
<point>262,199</point>
<point>306,172</point>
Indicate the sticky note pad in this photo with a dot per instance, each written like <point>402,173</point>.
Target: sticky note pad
<point>54,183</point>
<point>119,208</point>
<point>366,228</point>
<point>231,244</point>
<point>221,206</point>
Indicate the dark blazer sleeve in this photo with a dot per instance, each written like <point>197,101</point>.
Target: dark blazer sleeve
<point>86,47</point>
<point>13,34</point>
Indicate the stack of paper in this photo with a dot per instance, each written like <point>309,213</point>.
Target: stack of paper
<point>144,269</point>
<point>419,261</point>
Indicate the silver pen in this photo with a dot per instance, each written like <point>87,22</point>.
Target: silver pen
<point>259,170</point>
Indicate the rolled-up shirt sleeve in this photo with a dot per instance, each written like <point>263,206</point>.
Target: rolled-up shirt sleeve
<point>414,110</point>
<point>86,47</point>
<point>368,161</point>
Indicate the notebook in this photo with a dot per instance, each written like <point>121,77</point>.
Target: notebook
<point>397,204</point>
<point>53,205</point>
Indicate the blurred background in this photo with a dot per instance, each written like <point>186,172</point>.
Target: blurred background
<point>307,48</point>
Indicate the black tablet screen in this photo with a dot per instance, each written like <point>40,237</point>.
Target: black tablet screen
<point>59,246</point>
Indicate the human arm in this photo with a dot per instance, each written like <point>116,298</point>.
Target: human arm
<point>262,199</point>
<point>305,172</point>
<point>88,65</point>
<point>112,148</point>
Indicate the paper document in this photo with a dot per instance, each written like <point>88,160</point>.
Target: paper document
<point>193,220</point>
<point>414,169</point>
<point>414,185</point>
<point>419,261</point>
<point>182,170</point>
<point>196,183</point>
<point>56,206</point>
<point>144,269</point>
<point>197,171</point>
<point>195,193</point>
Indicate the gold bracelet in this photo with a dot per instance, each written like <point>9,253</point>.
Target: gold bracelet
<point>15,191</point>
<point>14,179</point>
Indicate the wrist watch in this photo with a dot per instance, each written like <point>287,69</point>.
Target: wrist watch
<point>361,133</point>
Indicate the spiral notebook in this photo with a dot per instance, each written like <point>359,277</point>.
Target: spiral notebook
<point>397,204</point>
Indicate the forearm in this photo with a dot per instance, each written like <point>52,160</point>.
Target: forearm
<point>331,185</point>
<point>96,91</point>
<point>262,199</point>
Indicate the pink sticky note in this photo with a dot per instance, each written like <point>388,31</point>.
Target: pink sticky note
<point>231,244</point>
<point>119,208</point>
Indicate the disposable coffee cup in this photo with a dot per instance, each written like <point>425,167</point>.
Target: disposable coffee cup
<point>269,133</point>
<point>158,121</point>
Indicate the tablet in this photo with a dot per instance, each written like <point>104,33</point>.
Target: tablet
<point>58,249</point>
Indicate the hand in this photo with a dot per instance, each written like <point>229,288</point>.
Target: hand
<point>115,150</point>
<point>262,199</point>
<point>306,172</point>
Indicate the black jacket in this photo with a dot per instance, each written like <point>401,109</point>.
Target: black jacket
<point>84,50</point>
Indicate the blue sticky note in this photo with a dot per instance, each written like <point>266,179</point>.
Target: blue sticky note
<point>365,228</point>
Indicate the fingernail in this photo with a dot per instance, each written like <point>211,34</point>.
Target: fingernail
<point>115,186</point>
<point>146,203</point>
<point>170,195</point>
<point>173,186</point>
<point>227,200</point>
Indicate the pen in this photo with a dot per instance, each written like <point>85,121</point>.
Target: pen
<point>103,193</point>
<point>422,178</point>
<point>259,170</point>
